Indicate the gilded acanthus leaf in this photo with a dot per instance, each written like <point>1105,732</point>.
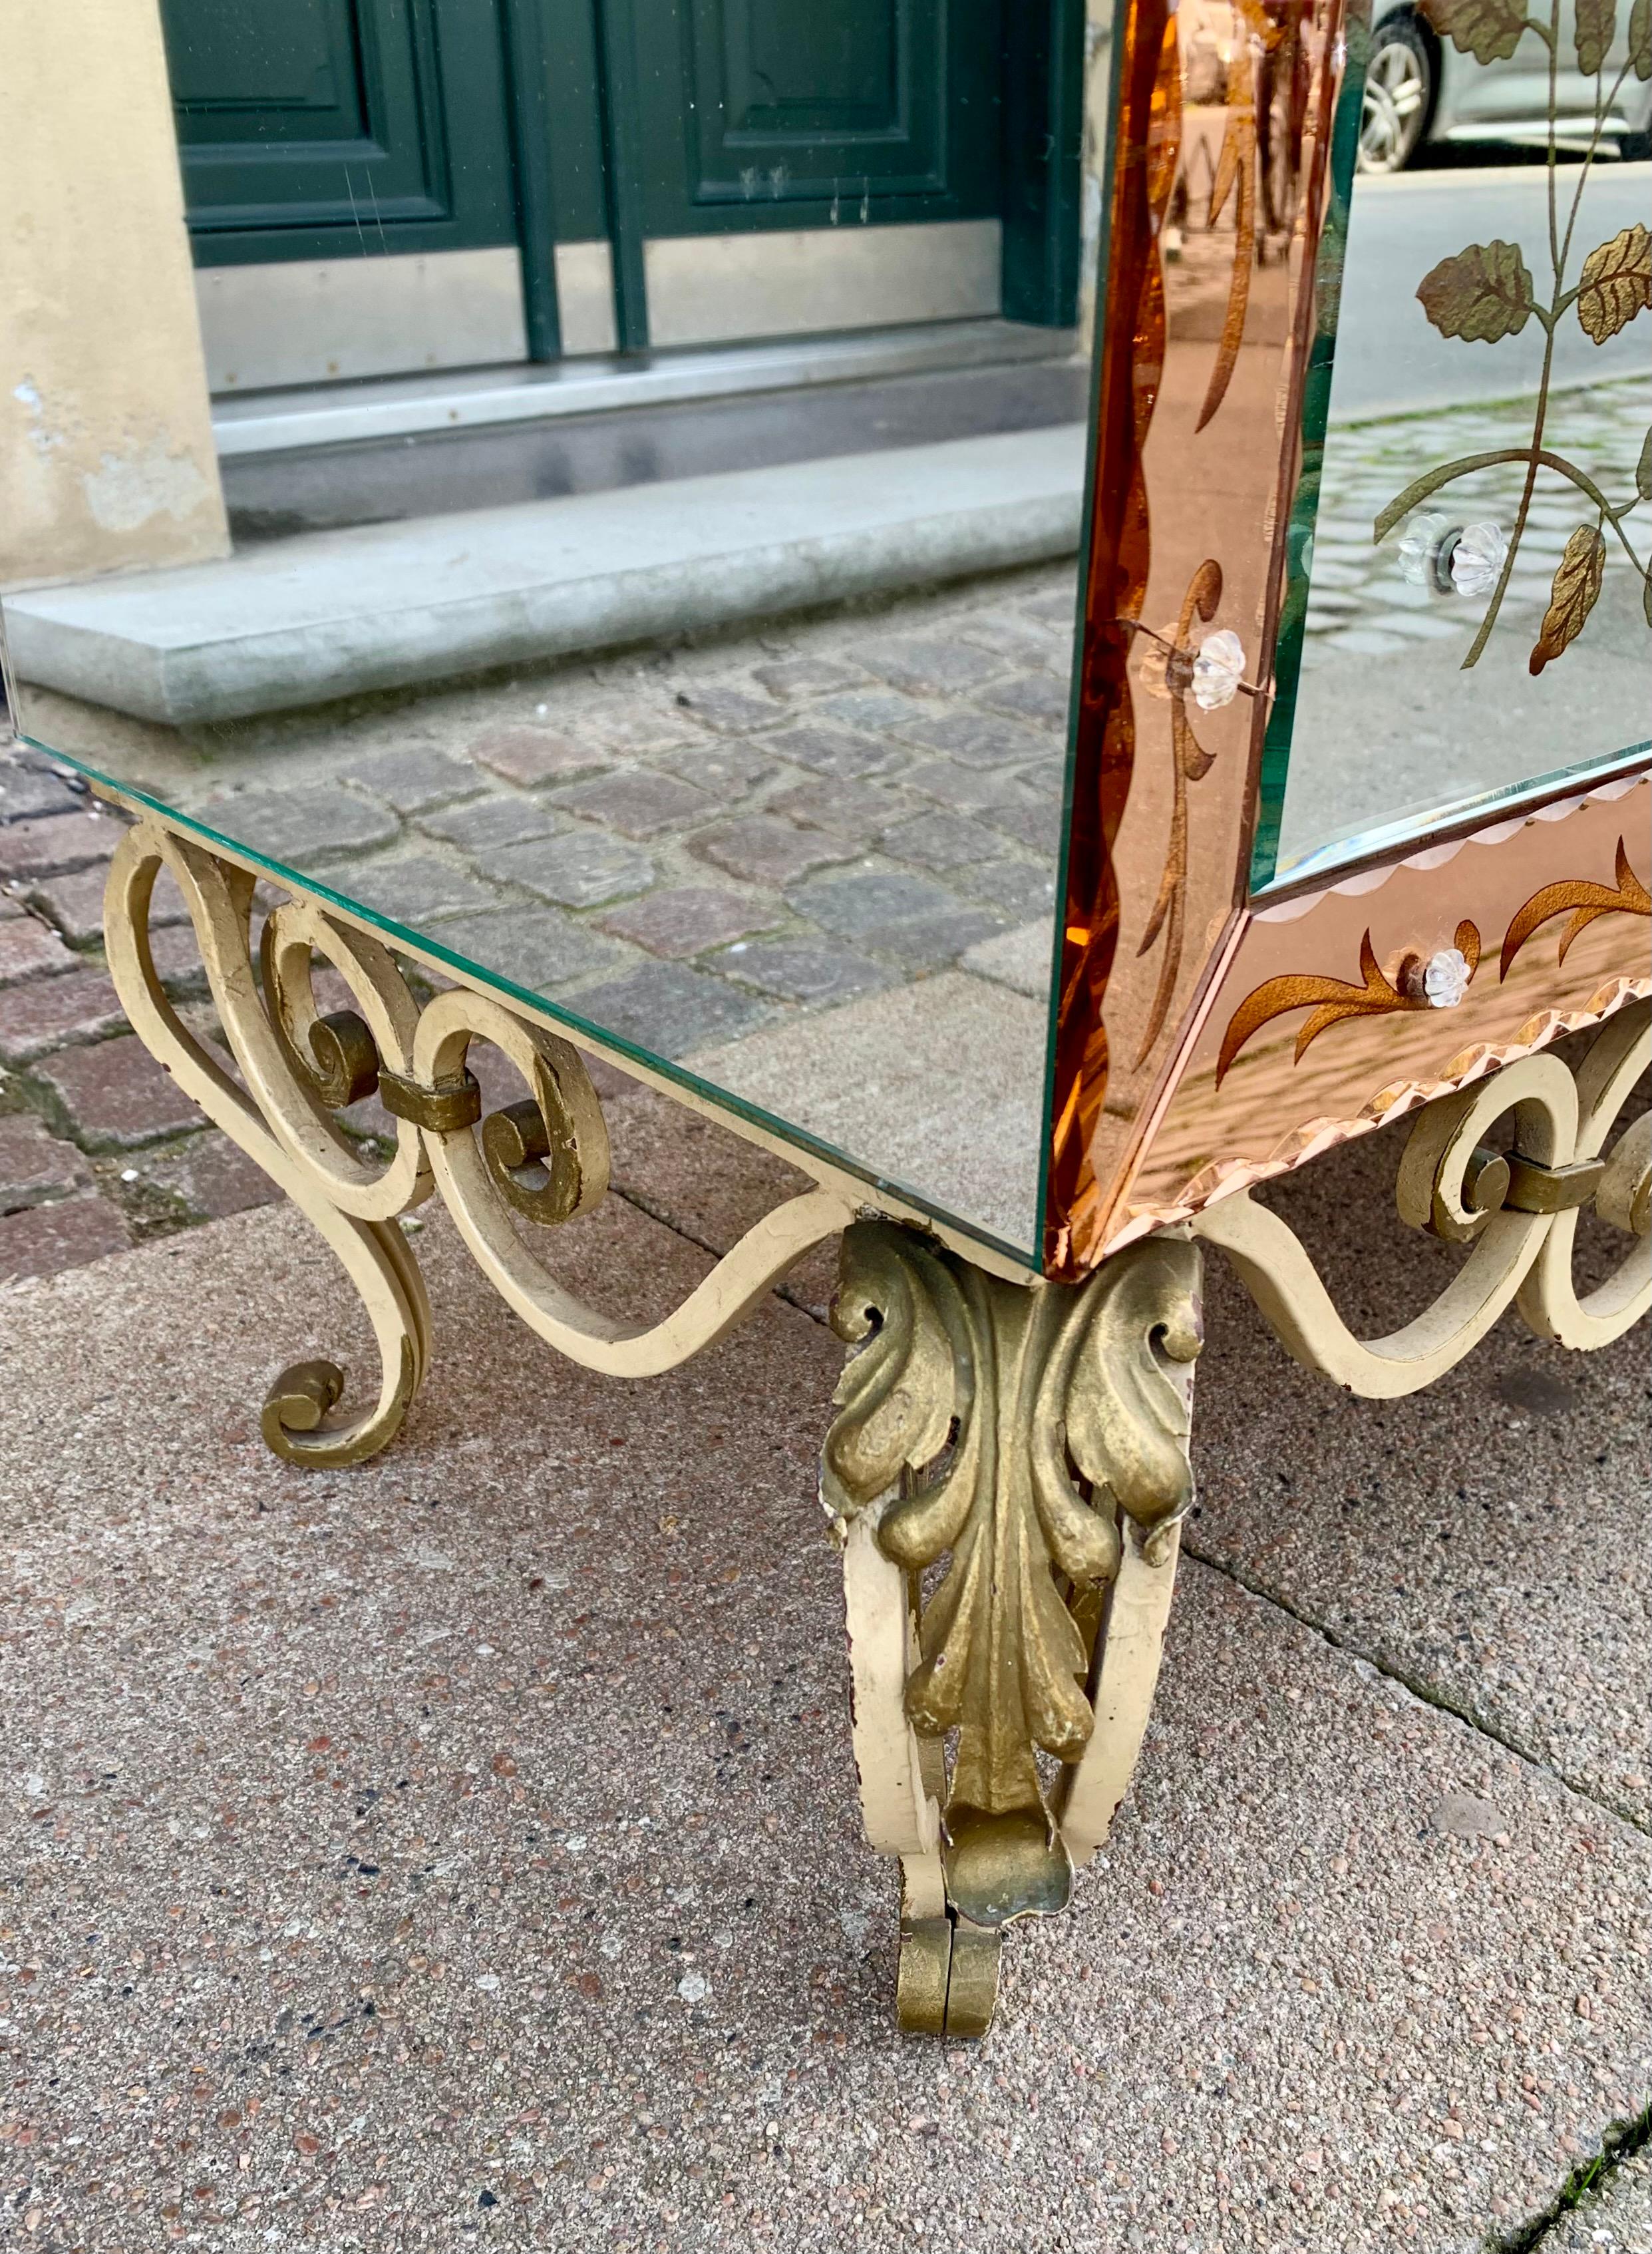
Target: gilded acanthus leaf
<point>1592,33</point>
<point>1010,1432</point>
<point>1482,294</point>
<point>1573,595</point>
<point>1641,38</point>
<point>1616,283</point>
<point>1489,29</point>
<point>900,1396</point>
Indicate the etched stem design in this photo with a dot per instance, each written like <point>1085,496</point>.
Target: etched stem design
<point>1486,292</point>
<point>1190,763</point>
<point>1581,902</point>
<point>1332,1000</point>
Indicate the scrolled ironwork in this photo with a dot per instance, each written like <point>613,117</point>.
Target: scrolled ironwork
<point>543,1160</point>
<point>274,1111</point>
<point>1516,1211</point>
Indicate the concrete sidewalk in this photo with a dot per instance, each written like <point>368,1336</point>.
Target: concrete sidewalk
<point>465,1848</point>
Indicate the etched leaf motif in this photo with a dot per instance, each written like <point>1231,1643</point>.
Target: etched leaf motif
<point>1482,294</point>
<point>1334,999</point>
<point>1489,29</point>
<point>1616,283</point>
<point>1596,21</point>
<point>1643,470</point>
<point>1577,585</point>
<point>1587,902</point>
<point>1641,38</point>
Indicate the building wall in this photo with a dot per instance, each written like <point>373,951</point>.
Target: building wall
<point>107,461</point>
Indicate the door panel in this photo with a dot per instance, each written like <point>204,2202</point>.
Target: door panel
<point>755,114</point>
<point>334,128</point>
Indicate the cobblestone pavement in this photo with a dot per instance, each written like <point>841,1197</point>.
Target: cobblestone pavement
<point>97,1145</point>
<point>683,846</point>
<point>680,846</point>
<point>1360,603</point>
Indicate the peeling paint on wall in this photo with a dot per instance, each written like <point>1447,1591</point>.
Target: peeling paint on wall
<point>43,440</point>
<point>107,461</point>
<point>126,490</point>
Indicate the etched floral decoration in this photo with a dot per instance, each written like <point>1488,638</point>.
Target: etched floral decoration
<point>1487,292</point>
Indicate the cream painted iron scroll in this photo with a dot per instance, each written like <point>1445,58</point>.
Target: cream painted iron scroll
<point>1008,1469</point>
<point>1518,1213</point>
<point>546,1157</point>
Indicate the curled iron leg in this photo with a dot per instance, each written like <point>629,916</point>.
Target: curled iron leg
<point>287,1131</point>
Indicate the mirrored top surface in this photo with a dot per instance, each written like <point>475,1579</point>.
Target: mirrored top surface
<point>622,542</point>
<point>1476,598</point>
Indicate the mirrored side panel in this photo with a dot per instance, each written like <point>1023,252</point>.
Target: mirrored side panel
<point>610,522</point>
<point>1471,613</point>
<point>1216,325</point>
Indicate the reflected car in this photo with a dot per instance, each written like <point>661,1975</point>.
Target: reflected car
<point>1421,91</point>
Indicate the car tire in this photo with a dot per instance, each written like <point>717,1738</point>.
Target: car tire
<point>1399,94</point>
<point>1635,148</point>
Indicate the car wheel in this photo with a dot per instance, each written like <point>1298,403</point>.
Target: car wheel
<point>1398,89</point>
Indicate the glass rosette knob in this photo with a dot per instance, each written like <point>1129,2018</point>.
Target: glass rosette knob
<point>1218,669</point>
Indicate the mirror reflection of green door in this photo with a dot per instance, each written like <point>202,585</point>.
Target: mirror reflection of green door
<point>780,166</point>
<point>310,127</point>
<point>794,167</point>
<point>699,170</point>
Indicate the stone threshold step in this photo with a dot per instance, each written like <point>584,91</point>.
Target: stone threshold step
<point>330,614</point>
<point>394,407</point>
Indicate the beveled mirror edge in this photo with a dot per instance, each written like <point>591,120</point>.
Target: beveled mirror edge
<point>1382,848</point>
<point>11,710</point>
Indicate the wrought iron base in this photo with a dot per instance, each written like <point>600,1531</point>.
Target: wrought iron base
<point>1008,1467</point>
<point>542,1160</point>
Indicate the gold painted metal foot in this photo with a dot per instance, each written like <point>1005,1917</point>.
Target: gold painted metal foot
<point>948,1983</point>
<point>1006,1475</point>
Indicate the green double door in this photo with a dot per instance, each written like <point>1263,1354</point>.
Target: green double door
<point>726,167</point>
